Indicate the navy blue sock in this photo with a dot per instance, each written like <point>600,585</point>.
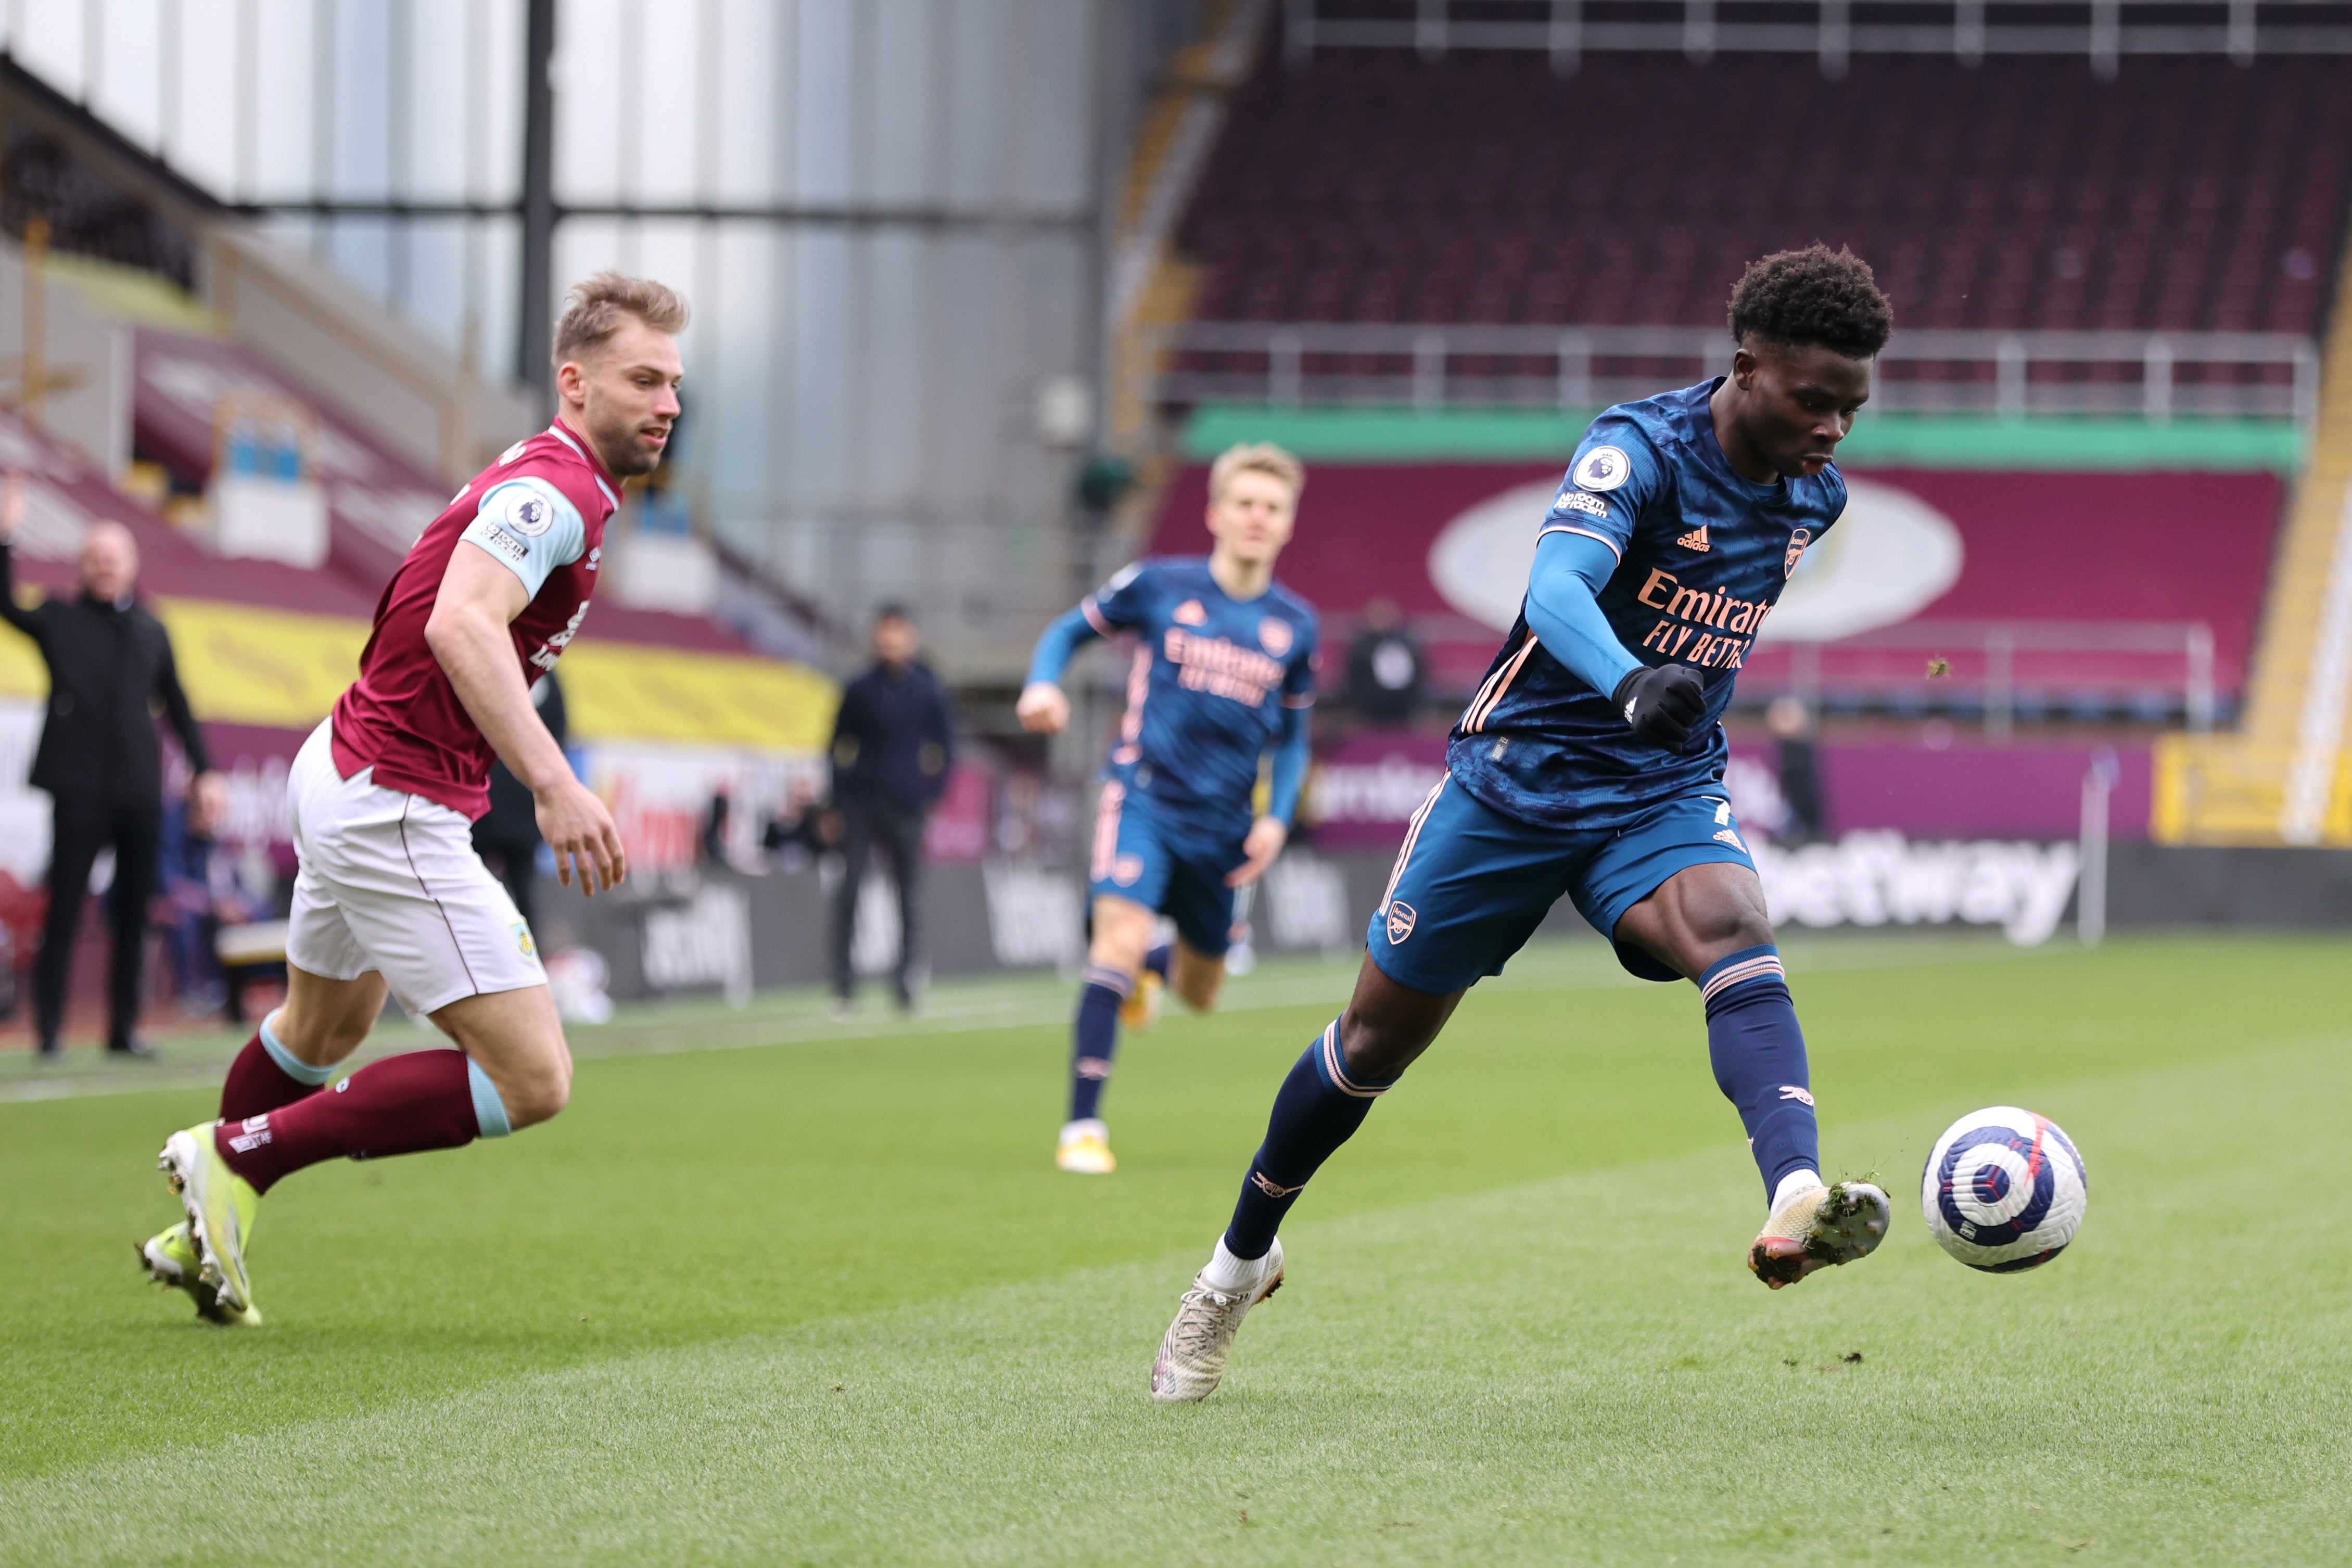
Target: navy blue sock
<point>1094,1039</point>
<point>1158,958</point>
<point>1318,1108</point>
<point>1758,1054</point>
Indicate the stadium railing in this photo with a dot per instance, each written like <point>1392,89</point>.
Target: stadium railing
<point>2001,672</point>
<point>2102,31</point>
<point>2154,374</point>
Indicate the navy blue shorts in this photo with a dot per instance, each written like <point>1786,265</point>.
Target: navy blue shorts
<point>1471,885</point>
<point>1170,867</point>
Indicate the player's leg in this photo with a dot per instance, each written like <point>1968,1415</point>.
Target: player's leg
<point>1122,931</point>
<point>1196,978</point>
<point>298,1047</point>
<point>1708,922</point>
<point>398,897</point>
<point>1204,910</point>
<point>137,845</point>
<point>510,1070</point>
<point>1469,888</point>
<point>333,998</point>
<point>856,847</point>
<point>1142,1008</point>
<point>903,829</point>
<point>77,833</point>
<point>389,883</point>
<point>1323,1100</point>
<point>1128,873</point>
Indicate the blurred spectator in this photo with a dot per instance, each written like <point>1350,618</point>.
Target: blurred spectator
<point>714,829</point>
<point>804,830</point>
<point>187,885</point>
<point>890,755</point>
<point>506,836</point>
<point>101,760</point>
<point>1384,668</point>
<point>205,895</point>
<point>1790,720</point>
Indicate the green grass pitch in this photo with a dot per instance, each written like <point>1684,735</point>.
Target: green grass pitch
<point>775,1293</point>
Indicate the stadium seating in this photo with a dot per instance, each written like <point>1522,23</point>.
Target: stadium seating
<point>2186,196</point>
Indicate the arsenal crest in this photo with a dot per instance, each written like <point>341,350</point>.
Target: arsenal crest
<point>1274,635</point>
<point>1400,919</point>
<point>1798,540</point>
<point>1190,613</point>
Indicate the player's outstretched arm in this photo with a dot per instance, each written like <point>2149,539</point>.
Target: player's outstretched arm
<point>1044,707</point>
<point>467,633</point>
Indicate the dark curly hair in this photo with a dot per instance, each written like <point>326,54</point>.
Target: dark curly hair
<point>1812,296</point>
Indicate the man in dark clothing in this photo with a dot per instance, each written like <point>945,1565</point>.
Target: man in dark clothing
<point>506,835</point>
<point>1791,719</point>
<point>890,755</point>
<point>100,760</point>
<point>1384,668</point>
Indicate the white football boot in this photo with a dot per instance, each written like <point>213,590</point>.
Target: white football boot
<point>1191,1358</point>
<point>1085,1148</point>
<point>1818,1228</point>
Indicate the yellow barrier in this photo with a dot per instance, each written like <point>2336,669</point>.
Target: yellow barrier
<point>242,664</point>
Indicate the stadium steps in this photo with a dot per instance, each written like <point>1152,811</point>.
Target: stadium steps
<point>2285,777</point>
<point>1152,287</point>
<point>109,199</point>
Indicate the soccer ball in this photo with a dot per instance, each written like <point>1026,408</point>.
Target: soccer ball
<point>2003,1190</point>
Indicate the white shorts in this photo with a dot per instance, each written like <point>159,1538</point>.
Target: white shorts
<point>391,883</point>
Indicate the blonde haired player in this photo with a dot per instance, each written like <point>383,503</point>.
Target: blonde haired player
<point>1224,670</point>
<point>390,894</point>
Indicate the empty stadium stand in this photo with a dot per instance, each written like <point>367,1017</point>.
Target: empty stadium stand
<point>2185,195</point>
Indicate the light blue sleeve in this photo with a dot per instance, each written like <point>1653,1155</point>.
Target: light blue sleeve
<point>530,528</point>
<point>1565,617</point>
<point>1119,605</point>
<point>1064,638</point>
<point>1292,752</point>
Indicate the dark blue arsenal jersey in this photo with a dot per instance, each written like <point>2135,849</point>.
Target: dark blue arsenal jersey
<point>1205,693</point>
<point>1702,556</point>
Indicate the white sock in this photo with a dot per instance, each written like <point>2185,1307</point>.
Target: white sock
<point>1231,1274</point>
<point>1792,1184</point>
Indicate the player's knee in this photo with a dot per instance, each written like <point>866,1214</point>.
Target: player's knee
<point>319,1039</point>
<point>537,1096</point>
<point>1731,927</point>
<point>1119,941</point>
<point>1379,1049</point>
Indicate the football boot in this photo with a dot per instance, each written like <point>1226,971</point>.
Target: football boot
<point>1191,1359</point>
<point>220,1204</point>
<point>170,1259</point>
<point>1141,1009</point>
<point>1819,1227</point>
<point>1085,1149</point>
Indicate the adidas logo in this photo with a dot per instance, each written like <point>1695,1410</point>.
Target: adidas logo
<point>1695,540</point>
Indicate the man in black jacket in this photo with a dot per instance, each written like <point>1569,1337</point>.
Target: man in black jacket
<point>890,755</point>
<point>109,661</point>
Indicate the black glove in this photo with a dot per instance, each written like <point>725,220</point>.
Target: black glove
<point>1662,704</point>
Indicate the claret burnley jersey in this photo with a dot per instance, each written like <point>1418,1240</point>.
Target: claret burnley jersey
<point>1702,556</point>
<point>1211,677</point>
<point>539,511</point>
